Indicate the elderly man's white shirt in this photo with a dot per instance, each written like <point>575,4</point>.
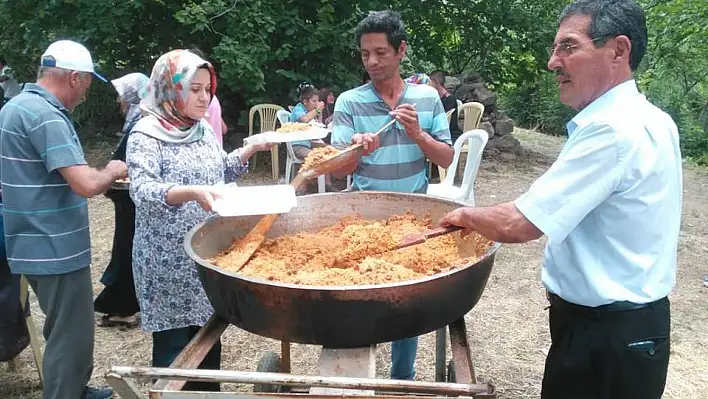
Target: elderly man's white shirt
<point>611,204</point>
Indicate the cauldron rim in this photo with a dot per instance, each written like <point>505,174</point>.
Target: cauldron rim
<point>335,288</point>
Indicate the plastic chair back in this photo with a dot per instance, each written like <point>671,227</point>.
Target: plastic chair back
<point>472,113</point>
<point>267,116</point>
<point>476,140</point>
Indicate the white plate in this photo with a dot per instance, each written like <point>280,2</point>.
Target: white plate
<point>314,133</point>
<point>255,200</point>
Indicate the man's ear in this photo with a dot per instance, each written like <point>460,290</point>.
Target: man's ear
<point>623,49</point>
<point>74,78</point>
<point>402,49</point>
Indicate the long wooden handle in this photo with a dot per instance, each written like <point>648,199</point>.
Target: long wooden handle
<point>250,243</point>
<point>415,239</point>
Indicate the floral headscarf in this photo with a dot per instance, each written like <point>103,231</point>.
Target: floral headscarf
<point>131,88</point>
<point>166,98</point>
<point>419,79</point>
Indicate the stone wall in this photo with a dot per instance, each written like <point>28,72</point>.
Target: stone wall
<point>472,88</point>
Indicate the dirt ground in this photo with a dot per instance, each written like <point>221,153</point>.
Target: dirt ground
<point>508,328</point>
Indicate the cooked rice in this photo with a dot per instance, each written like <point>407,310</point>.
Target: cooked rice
<point>290,127</point>
<point>318,155</point>
<point>337,255</point>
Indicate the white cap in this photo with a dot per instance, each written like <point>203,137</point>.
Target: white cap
<point>66,54</point>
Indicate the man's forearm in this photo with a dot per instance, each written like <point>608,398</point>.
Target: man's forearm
<point>502,223</point>
<point>102,179</point>
<point>87,181</point>
<point>438,152</point>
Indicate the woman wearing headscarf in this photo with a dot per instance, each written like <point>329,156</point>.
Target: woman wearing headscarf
<point>418,79</point>
<point>117,301</point>
<point>174,160</point>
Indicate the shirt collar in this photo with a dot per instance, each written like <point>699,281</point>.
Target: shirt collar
<point>402,97</point>
<point>585,116</point>
<point>45,94</point>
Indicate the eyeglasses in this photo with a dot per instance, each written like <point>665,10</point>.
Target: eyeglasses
<point>564,49</point>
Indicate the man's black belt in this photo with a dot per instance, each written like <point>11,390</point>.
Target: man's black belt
<point>619,306</point>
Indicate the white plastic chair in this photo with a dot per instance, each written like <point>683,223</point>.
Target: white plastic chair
<point>266,113</point>
<point>476,140</point>
<point>472,114</point>
<point>284,117</point>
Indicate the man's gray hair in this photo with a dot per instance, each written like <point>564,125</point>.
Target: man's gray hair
<point>612,18</point>
<point>45,71</point>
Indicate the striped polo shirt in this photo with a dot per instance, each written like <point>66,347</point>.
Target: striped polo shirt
<point>399,164</point>
<point>46,223</point>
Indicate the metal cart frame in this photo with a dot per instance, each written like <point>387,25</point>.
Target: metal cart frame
<point>462,382</point>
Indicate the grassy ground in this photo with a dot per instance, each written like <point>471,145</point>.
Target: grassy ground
<point>508,328</point>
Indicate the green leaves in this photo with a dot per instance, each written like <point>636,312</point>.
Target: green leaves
<point>262,49</point>
<point>674,73</point>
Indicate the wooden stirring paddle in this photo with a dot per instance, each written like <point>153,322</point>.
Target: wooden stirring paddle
<point>250,243</point>
<point>419,238</point>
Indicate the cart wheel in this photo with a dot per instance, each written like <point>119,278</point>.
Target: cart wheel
<point>270,363</point>
<point>451,372</point>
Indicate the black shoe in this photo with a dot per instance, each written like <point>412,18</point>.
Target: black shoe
<point>97,393</point>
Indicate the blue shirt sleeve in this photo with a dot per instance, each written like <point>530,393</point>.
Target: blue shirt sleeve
<point>440,129</point>
<point>298,112</point>
<point>588,171</point>
<point>56,142</point>
<point>342,124</point>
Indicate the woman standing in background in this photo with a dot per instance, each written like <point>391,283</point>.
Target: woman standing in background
<point>117,301</point>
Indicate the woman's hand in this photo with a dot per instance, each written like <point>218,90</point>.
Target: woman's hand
<point>263,146</point>
<point>247,151</point>
<point>205,196</point>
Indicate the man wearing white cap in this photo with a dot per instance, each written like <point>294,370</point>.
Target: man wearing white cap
<point>45,183</point>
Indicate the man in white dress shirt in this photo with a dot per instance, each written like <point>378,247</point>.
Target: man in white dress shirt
<point>611,209</point>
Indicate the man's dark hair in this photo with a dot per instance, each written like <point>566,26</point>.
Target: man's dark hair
<point>612,18</point>
<point>438,77</point>
<point>3,60</point>
<point>388,22</point>
<point>365,78</point>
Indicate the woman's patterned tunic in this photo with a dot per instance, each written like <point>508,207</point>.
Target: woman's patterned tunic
<point>166,279</point>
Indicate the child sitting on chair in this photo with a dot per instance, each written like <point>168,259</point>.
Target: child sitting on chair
<point>309,108</point>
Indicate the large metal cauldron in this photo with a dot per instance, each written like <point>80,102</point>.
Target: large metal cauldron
<point>337,317</point>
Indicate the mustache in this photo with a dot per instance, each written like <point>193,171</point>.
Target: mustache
<point>560,73</point>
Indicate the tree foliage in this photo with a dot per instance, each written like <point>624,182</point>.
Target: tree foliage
<point>262,49</point>
<point>675,73</point>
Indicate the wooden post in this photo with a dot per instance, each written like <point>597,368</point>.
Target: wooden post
<point>285,357</point>
<point>14,364</point>
<point>461,354</point>
<point>125,388</point>
<point>356,363</point>
<point>194,353</point>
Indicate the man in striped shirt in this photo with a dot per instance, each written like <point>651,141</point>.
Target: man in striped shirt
<point>45,183</point>
<point>396,159</point>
